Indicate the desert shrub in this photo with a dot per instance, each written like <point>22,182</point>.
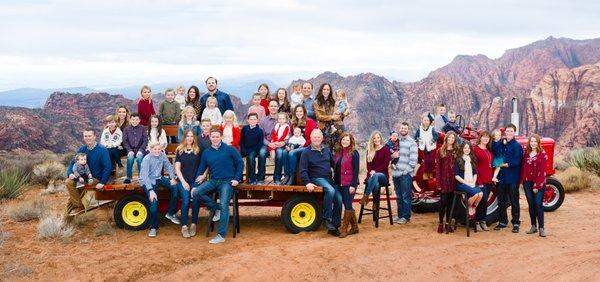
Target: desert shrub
<point>574,179</point>
<point>13,183</point>
<point>3,236</point>
<point>105,228</point>
<point>587,159</point>
<point>82,219</point>
<point>54,227</point>
<point>27,211</point>
<point>48,172</point>
<point>16,270</point>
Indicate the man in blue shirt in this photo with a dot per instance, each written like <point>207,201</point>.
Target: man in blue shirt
<point>316,164</point>
<point>98,159</point>
<point>223,99</point>
<point>226,167</point>
<point>307,100</point>
<point>508,186</point>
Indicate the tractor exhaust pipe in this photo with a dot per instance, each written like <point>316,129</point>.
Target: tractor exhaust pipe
<point>514,116</point>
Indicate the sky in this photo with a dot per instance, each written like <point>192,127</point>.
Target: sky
<point>110,43</point>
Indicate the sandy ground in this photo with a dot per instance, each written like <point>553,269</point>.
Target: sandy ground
<point>265,251</point>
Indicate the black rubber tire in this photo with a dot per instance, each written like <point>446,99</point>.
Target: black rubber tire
<point>293,201</point>
<point>119,209</point>
<point>423,207</point>
<point>551,181</point>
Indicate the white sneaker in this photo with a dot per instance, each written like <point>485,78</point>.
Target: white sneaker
<point>173,218</point>
<point>185,232</point>
<point>217,240</point>
<point>192,230</point>
<point>217,215</point>
<point>152,233</point>
<point>396,220</point>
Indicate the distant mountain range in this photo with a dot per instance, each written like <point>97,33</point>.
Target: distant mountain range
<point>36,97</point>
<point>557,82</point>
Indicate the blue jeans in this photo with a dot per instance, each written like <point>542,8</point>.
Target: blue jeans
<point>376,180</point>
<point>293,158</point>
<point>202,194</point>
<point>130,161</point>
<point>185,202</point>
<point>115,157</point>
<point>262,160</point>
<point>347,198</point>
<point>332,201</point>
<point>470,190</point>
<point>403,188</point>
<point>535,202</point>
<point>508,192</point>
<point>162,182</point>
<point>251,162</point>
<point>281,155</point>
<point>481,212</point>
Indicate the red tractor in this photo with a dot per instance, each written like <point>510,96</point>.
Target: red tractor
<point>426,197</point>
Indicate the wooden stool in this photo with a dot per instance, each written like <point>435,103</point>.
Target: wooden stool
<point>376,208</point>
<point>235,220</point>
<point>465,202</point>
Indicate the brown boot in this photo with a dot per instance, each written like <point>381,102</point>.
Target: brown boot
<point>345,222</point>
<point>353,223</point>
<point>364,200</point>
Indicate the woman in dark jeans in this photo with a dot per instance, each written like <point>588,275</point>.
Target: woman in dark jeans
<point>446,183</point>
<point>187,160</point>
<point>347,166</point>
<point>378,162</point>
<point>485,172</point>
<point>533,176</point>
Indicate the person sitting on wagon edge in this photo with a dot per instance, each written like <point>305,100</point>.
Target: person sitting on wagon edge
<point>98,160</point>
<point>315,168</point>
<point>151,178</point>
<point>226,167</point>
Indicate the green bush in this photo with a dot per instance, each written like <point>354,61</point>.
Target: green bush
<point>13,183</point>
<point>587,159</point>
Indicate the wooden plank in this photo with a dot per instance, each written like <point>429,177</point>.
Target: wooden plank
<point>171,130</point>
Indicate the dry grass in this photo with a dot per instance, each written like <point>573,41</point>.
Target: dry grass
<point>587,159</point>
<point>574,179</point>
<point>27,210</point>
<point>83,219</point>
<point>48,172</point>
<point>54,227</point>
<point>12,269</point>
<point>3,236</point>
<point>105,228</point>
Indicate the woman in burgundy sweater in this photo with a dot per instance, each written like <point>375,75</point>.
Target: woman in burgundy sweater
<point>145,106</point>
<point>533,176</point>
<point>484,158</point>
<point>378,161</point>
<point>444,171</point>
<point>346,168</point>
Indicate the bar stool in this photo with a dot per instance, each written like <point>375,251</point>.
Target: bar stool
<point>376,208</point>
<point>235,220</point>
<point>465,202</point>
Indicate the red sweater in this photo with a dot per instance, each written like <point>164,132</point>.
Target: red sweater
<point>265,104</point>
<point>308,128</point>
<point>146,110</point>
<point>380,162</point>
<point>235,131</point>
<point>534,169</point>
<point>484,158</point>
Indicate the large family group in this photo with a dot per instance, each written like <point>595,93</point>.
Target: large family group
<point>302,133</point>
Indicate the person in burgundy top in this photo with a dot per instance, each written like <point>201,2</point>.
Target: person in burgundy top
<point>484,158</point>
<point>345,176</point>
<point>145,106</point>
<point>378,161</point>
<point>299,119</point>
<point>533,176</point>
<point>444,171</point>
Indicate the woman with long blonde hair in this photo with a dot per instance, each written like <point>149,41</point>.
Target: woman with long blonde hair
<point>378,161</point>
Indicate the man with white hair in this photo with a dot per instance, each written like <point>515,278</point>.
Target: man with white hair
<point>316,165</point>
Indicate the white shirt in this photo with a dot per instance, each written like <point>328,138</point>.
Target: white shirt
<point>214,115</point>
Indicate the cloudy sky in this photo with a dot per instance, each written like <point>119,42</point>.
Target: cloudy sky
<point>115,43</point>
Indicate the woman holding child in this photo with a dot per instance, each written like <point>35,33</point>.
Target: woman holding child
<point>301,121</point>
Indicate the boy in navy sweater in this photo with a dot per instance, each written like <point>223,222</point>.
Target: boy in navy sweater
<point>508,186</point>
<point>226,167</point>
<point>135,141</point>
<point>251,142</point>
